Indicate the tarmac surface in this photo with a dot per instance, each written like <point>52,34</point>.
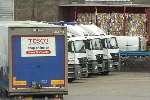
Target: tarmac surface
<point>116,86</point>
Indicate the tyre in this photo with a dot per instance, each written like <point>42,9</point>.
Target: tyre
<point>71,79</point>
<point>105,73</point>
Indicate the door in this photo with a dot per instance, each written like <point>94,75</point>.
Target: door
<point>38,61</point>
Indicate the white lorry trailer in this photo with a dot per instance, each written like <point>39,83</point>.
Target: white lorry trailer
<point>131,43</point>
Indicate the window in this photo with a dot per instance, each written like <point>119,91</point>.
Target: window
<point>104,43</point>
<point>96,45</point>
<point>70,47</point>
<point>113,43</point>
<point>79,46</point>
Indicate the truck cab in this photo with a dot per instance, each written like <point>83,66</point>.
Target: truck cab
<point>77,58</point>
<point>110,46</point>
<point>94,51</point>
<point>113,50</point>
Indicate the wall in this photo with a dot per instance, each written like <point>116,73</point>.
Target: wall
<point>41,10</point>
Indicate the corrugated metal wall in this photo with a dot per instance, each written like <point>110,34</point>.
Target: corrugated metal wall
<point>6,10</point>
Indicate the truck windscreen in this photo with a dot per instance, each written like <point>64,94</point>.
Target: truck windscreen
<point>79,46</point>
<point>96,44</point>
<point>112,43</point>
<point>104,43</point>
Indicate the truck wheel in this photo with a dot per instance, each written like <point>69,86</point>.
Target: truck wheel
<point>71,79</point>
<point>99,70</point>
<point>58,97</point>
<point>105,73</point>
<point>3,94</point>
<point>85,75</point>
<point>94,67</point>
<point>16,98</point>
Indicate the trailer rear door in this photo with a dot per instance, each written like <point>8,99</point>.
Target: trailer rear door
<point>38,61</point>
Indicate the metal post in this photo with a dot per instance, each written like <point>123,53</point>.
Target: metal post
<point>124,23</point>
<point>13,5</point>
<point>96,21</point>
<point>75,14</point>
<point>147,20</point>
<point>147,11</point>
<point>33,10</point>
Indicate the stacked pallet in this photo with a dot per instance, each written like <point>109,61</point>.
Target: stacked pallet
<point>136,24</point>
<point>86,18</point>
<point>113,23</point>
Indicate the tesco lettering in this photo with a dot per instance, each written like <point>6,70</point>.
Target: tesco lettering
<point>38,46</point>
<point>37,41</point>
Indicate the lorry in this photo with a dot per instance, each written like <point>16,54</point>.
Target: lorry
<point>95,54</point>
<point>110,45</point>
<point>113,50</point>
<point>77,59</point>
<point>29,56</point>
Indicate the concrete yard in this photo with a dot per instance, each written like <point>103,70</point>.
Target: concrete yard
<point>116,86</point>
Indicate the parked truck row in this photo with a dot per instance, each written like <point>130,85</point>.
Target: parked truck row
<point>90,50</point>
<point>97,47</point>
<point>102,52</point>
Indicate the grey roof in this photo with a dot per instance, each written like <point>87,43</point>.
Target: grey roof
<point>100,5</point>
<point>107,0</point>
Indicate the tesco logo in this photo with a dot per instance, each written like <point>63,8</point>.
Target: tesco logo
<point>38,41</point>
